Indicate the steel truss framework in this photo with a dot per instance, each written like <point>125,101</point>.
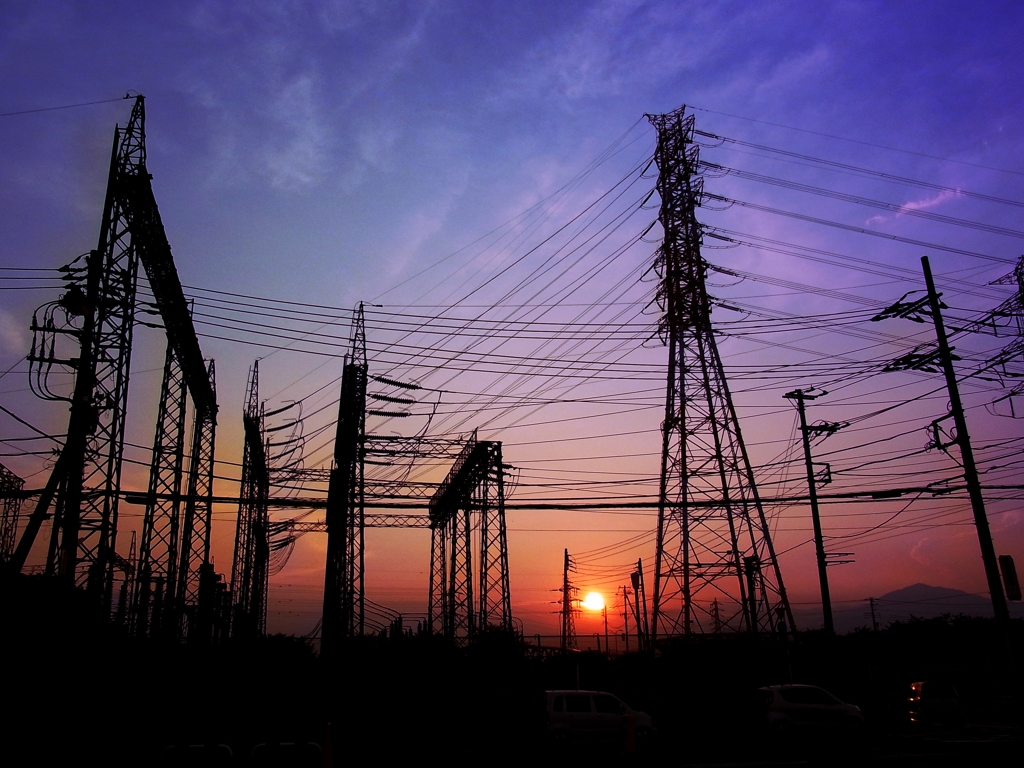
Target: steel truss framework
<point>156,578</point>
<point>468,507</point>
<point>192,616</point>
<point>344,612</point>
<point>86,479</point>
<point>10,506</point>
<point>85,483</point>
<point>250,569</point>
<point>720,549</point>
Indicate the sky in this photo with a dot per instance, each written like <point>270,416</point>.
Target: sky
<point>408,154</point>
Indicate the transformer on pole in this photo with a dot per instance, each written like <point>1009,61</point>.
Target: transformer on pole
<point>469,508</point>
<point>250,567</point>
<point>721,549</point>
<point>344,599</point>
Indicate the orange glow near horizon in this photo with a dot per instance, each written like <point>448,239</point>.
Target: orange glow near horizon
<point>594,601</point>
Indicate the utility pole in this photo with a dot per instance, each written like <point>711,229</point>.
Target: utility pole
<point>643,631</point>
<point>874,619</point>
<point>604,614</point>
<point>819,545</point>
<point>625,615</point>
<point>568,626</point>
<point>963,440</point>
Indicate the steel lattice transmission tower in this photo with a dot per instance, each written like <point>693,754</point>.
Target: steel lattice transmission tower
<point>250,567</point>
<point>10,505</point>
<point>713,540</point>
<point>469,585</point>
<point>344,598</point>
<point>99,310</point>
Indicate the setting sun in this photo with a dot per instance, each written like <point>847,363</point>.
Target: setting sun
<point>593,601</point>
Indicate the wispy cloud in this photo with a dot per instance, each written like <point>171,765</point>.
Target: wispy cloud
<point>13,334</point>
<point>299,145</point>
<point>930,202</point>
<point>915,205</point>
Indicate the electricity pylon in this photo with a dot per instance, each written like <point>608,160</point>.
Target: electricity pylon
<point>713,540</point>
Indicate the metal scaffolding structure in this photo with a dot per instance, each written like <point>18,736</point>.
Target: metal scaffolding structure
<point>250,568</point>
<point>721,548</point>
<point>469,508</point>
<point>99,309</point>
<point>344,598</point>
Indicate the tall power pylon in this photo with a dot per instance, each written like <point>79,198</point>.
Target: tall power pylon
<point>344,599</point>
<point>713,540</point>
<point>250,566</point>
<point>99,310</point>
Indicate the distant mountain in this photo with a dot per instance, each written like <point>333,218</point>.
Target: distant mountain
<point>921,600</point>
<point>926,601</point>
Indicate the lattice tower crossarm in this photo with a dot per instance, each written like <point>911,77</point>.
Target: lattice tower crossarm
<point>701,551</point>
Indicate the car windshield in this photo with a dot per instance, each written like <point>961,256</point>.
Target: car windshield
<point>807,695</point>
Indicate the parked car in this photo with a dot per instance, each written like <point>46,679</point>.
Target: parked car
<point>807,709</point>
<point>934,702</point>
<point>596,718</point>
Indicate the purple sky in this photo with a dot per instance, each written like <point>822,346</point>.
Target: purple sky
<point>327,152</point>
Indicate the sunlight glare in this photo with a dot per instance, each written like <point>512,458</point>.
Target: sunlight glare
<point>593,601</point>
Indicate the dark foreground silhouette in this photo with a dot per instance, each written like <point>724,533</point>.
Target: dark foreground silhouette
<point>77,689</point>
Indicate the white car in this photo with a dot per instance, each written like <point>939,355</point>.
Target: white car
<point>808,709</point>
<point>595,717</point>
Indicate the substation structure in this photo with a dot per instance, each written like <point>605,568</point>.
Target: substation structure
<point>162,589</point>
<point>469,584</point>
<point>719,551</point>
<point>713,545</point>
<point>468,509</point>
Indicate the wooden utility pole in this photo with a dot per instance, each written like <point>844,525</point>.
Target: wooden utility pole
<point>963,440</point>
